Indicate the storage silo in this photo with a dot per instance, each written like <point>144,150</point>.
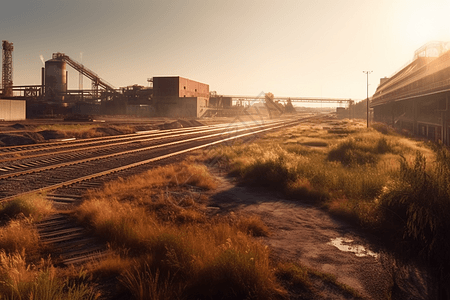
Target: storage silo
<point>55,79</point>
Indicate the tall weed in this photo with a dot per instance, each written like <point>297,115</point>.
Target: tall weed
<point>33,206</point>
<point>178,253</point>
<point>360,150</point>
<point>416,207</point>
<point>18,235</point>
<point>18,280</point>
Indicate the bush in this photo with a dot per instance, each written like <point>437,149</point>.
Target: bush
<point>253,225</point>
<point>34,206</point>
<point>416,208</point>
<point>177,252</point>
<point>361,150</point>
<point>351,153</point>
<point>21,281</point>
<point>17,236</point>
<point>233,275</point>
<point>272,173</point>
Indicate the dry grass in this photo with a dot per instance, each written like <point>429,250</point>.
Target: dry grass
<point>19,280</point>
<point>347,177</point>
<point>396,187</point>
<point>86,130</point>
<point>172,250</point>
<point>253,225</point>
<point>19,235</point>
<point>415,208</point>
<point>34,206</point>
<point>112,265</point>
<point>191,255</point>
<point>365,148</point>
<point>302,279</point>
<point>140,187</point>
<point>295,274</point>
<point>177,251</point>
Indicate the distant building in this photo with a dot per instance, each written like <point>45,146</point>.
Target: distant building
<point>180,97</point>
<point>220,102</point>
<point>12,110</point>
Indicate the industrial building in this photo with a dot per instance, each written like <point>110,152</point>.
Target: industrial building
<point>12,110</point>
<point>171,96</point>
<point>216,101</point>
<point>416,99</point>
<point>180,97</point>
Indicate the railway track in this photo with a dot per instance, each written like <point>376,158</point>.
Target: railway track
<point>65,170</point>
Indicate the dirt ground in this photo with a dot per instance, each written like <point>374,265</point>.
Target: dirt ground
<point>305,234</point>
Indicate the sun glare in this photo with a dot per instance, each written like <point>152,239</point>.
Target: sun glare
<point>425,22</point>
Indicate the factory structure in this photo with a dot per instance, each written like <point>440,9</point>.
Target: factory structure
<point>416,99</point>
<point>171,96</point>
<point>165,96</point>
<point>10,110</point>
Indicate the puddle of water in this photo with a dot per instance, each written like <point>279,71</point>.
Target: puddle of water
<point>345,245</point>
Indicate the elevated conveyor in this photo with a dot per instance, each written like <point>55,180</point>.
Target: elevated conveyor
<point>96,80</point>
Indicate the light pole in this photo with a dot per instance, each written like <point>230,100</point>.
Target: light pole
<point>367,73</point>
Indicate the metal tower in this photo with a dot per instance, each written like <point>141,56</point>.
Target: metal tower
<point>7,69</point>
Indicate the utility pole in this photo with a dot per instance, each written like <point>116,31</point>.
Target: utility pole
<point>367,73</point>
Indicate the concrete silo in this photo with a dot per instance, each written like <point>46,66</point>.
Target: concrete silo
<point>55,79</point>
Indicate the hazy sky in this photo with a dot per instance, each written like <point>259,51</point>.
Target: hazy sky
<point>317,48</point>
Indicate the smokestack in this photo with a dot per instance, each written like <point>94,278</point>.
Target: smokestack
<point>43,82</point>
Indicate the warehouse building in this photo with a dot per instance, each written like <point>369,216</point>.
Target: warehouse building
<point>180,97</point>
<point>12,110</point>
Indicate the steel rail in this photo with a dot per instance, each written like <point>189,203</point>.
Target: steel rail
<point>132,165</point>
<point>105,144</point>
<point>4,151</point>
<point>80,161</point>
<point>53,145</point>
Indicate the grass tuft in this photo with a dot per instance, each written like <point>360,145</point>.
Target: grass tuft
<point>177,251</point>
<point>253,225</point>
<point>416,207</point>
<point>18,236</point>
<point>295,274</point>
<point>302,277</point>
<point>360,151</point>
<point>32,206</point>
<point>18,280</point>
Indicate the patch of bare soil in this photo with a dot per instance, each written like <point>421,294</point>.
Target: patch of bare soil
<point>190,123</point>
<point>310,236</point>
<point>109,131</point>
<point>19,139</point>
<point>180,124</point>
<point>32,137</point>
<point>52,134</point>
<point>18,126</point>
